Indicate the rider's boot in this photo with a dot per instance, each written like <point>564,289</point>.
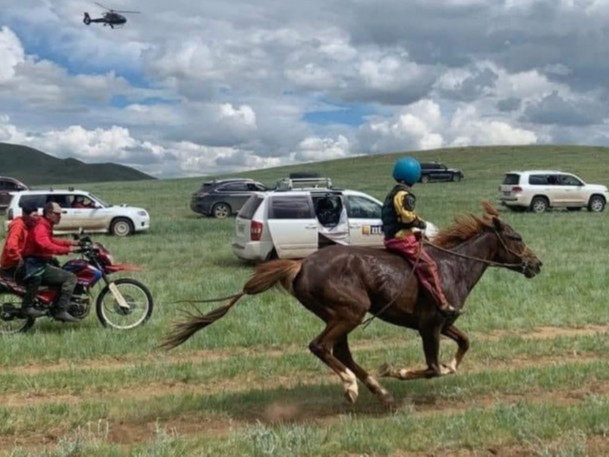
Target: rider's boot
<point>449,310</point>
<point>61,314</point>
<point>32,312</point>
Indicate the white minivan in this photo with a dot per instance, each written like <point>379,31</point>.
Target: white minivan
<point>295,223</point>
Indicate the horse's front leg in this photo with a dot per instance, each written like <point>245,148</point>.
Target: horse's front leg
<point>462,341</point>
<point>430,335</point>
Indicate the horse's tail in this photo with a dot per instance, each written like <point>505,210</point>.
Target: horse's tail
<point>266,276</point>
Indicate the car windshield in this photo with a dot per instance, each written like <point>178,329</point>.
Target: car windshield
<point>98,200</point>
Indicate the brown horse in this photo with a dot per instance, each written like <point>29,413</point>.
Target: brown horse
<point>340,284</point>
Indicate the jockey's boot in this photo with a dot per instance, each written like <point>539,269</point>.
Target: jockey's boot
<point>63,316</point>
<point>30,311</point>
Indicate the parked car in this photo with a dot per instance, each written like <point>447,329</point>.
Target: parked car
<point>224,197</point>
<point>81,209</point>
<point>293,222</point>
<point>538,190</point>
<point>7,186</point>
<point>435,171</point>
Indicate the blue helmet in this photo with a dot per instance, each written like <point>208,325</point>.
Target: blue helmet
<point>407,169</point>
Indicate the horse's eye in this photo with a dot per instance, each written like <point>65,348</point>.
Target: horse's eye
<point>514,237</point>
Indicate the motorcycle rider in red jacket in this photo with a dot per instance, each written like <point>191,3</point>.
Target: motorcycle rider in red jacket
<point>41,266</point>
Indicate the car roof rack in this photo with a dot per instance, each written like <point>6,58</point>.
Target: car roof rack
<point>304,183</point>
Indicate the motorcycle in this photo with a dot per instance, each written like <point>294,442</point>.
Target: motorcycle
<point>122,303</point>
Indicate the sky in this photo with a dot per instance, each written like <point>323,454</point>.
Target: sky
<point>207,87</point>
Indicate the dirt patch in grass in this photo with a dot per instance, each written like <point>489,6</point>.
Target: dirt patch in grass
<point>321,413</point>
<point>116,363</point>
<point>141,391</point>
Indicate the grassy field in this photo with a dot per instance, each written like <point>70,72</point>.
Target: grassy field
<point>535,382</point>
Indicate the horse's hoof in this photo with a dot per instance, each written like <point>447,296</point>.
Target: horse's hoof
<point>385,370</point>
<point>388,400</point>
<point>447,369</point>
<point>351,395</point>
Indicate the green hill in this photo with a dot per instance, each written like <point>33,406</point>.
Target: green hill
<point>34,167</point>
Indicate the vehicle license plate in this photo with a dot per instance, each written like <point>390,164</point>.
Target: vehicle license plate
<point>506,192</point>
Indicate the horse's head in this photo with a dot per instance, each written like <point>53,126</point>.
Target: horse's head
<point>513,252</point>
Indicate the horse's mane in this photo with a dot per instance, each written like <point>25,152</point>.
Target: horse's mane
<point>465,226</point>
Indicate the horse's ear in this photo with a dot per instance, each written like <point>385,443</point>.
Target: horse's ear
<point>489,209</point>
<point>497,224</point>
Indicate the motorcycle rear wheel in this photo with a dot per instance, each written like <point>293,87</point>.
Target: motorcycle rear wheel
<point>11,321</point>
<point>137,296</point>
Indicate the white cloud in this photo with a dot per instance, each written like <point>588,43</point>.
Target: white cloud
<point>188,88</point>
<point>11,54</point>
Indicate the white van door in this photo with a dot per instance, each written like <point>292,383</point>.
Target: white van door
<point>293,225</point>
<point>365,223</point>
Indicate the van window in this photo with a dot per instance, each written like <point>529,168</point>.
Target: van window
<point>362,207</point>
<point>511,179</point>
<point>294,207</point>
<point>250,207</point>
<point>37,200</point>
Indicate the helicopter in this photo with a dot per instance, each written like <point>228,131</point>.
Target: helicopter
<point>111,17</point>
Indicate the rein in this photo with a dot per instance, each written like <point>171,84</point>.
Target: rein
<point>412,270</point>
<point>491,263</point>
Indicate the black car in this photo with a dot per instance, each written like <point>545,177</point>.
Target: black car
<point>436,171</point>
<point>224,197</point>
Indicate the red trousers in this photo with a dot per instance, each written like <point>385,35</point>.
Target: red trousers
<point>426,269</point>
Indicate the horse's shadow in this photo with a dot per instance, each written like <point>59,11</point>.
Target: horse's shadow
<point>304,404</point>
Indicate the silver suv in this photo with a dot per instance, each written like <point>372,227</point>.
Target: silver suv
<point>538,190</point>
<point>80,209</point>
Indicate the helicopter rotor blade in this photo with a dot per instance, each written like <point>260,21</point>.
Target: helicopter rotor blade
<point>104,7</point>
<point>122,11</point>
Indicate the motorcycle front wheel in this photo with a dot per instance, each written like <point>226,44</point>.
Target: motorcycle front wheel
<point>11,320</point>
<point>113,314</point>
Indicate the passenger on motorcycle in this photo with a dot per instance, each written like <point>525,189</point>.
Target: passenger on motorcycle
<point>42,268</point>
<point>11,261</point>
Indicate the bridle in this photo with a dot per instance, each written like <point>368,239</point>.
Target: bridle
<point>522,265</point>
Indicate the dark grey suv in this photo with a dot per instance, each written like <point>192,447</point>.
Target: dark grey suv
<point>435,171</point>
<point>8,185</point>
<point>224,197</point>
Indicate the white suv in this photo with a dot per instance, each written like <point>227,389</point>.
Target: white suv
<point>80,209</point>
<point>539,190</point>
<point>295,222</point>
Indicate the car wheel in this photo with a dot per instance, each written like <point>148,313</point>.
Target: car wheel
<point>272,255</point>
<point>221,211</point>
<point>539,204</point>
<point>596,204</point>
<point>456,177</point>
<point>424,179</point>
<point>121,227</point>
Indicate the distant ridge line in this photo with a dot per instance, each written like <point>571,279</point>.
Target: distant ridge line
<point>34,167</point>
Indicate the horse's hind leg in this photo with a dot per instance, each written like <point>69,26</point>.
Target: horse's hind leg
<point>322,347</point>
<point>343,353</point>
